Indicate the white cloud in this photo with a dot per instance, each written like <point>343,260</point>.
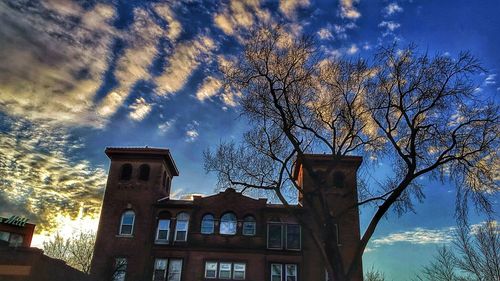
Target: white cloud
<point>166,126</point>
<point>347,9</point>
<point>241,14</point>
<point>289,7</point>
<point>209,88</point>
<point>192,131</point>
<point>417,236</point>
<point>184,61</point>
<point>353,49</point>
<point>389,25</point>
<point>490,79</point>
<point>392,8</point>
<point>325,34</point>
<point>140,109</point>
<point>174,26</point>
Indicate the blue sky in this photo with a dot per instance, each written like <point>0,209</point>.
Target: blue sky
<point>77,76</point>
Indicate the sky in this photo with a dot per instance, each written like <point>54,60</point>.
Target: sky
<point>77,76</point>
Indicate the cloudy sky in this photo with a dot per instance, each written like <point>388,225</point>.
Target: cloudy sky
<point>77,76</point>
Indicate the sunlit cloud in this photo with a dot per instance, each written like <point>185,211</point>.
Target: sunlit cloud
<point>348,10</point>
<point>389,25</point>
<point>240,15</point>
<point>54,55</point>
<point>325,34</point>
<point>140,109</point>
<point>192,131</point>
<point>39,179</point>
<point>289,7</point>
<point>184,61</point>
<point>209,88</point>
<point>166,126</point>
<point>353,49</point>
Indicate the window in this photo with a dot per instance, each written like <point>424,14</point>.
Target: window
<point>293,236</point>
<point>181,227</point>
<point>225,270</point>
<point>228,224</point>
<point>16,240</point>
<point>175,270</point>
<point>288,271</point>
<point>160,270</point>
<point>274,235</point>
<point>126,172</point>
<point>120,270</point>
<point>338,179</point>
<point>207,224</point>
<point>163,231</point>
<point>4,236</point>
<point>281,236</point>
<point>167,269</point>
<point>211,269</point>
<point>291,272</point>
<point>239,271</point>
<point>127,223</point>
<point>276,272</point>
<point>144,172</point>
<point>249,226</point>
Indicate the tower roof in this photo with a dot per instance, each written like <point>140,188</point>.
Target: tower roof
<point>146,152</point>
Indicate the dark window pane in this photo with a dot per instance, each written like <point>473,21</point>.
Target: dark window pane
<point>274,236</point>
<point>293,236</point>
<point>126,172</point>
<point>144,172</point>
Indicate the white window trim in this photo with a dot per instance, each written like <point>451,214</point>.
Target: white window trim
<point>230,270</point>
<point>216,269</point>
<point>213,225</point>
<point>170,263</point>
<point>281,270</point>
<point>244,271</point>
<point>300,237</point>
<point>121,224</point>
<point>254,228</point>
<point>281,240</point>
<point>296,271</point>
<point>176,230</point>
<point>166,240</point>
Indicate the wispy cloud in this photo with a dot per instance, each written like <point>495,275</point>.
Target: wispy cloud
<point>166,126</point>
<point>490,79</point>
<point>240,15</point>
<point>139,109</point>
<point>353,49</point>
<point>325,34</point>
<point>389,25</point>
<point>208,88</point>
<point>289,7</point>
<point>392,8</point>
<point>417,236</point>
<point>192,131</point>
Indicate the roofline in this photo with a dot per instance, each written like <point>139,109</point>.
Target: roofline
<point>344,159</point>
<point>152,151</point>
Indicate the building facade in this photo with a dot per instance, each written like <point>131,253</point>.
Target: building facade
<point>16,231</point>
<point>145,235</point>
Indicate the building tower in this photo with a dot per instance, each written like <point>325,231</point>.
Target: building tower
<point>340,191</point>
<point>137,177</point>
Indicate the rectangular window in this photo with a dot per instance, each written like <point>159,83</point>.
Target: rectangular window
<point>239,271</point>
<point>291,272</point>
<point>160,270</point>
<point>163,231</point>
<point>120,269</point>
<point>249,228</point>
<point>274,236</point>
<point>175,270</point>
<point>181,230</point>
<point>276,272</point>
<point>293,236</point>
<point>225,270</point>
<point>211,269</point>
<point>4,236</point>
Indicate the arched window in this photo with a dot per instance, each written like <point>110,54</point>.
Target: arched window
<point>228,224</point>
<point>181,226</point>
<point>127,223</point>
<point>207,224</point>
<point>126,172</point>
<point>249,226</point>
<point>144,172</point>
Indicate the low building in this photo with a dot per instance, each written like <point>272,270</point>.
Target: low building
<point>16,231</point>
<point>143,234</point>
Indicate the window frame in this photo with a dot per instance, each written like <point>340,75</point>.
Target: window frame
<point>177,226</point>
<point>216,269</point>
<point>126,176</point>
<point>164,277</point>
<point>296,271</point>
<point>212,225</point>
<point>168,267</point>
<point>120,230</point>
<point>230,270</point>
<point>166,240</point>
<point>247,221</point>
<point>280,271</point>
<point>118,268</point>
<point>244,270</point>
<point>286,237</point>
<point>281,236</point>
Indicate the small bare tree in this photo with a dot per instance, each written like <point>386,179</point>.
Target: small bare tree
<point>419,113</point>
<point>475,256</point>
<point>76,251</point>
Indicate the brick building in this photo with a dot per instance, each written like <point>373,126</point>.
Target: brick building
<point>145,235</point>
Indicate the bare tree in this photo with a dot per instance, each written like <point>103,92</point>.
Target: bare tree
<point>76,251</point>
<point>374,275</point>
<point>419,113</point>
<point>475,256</point>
